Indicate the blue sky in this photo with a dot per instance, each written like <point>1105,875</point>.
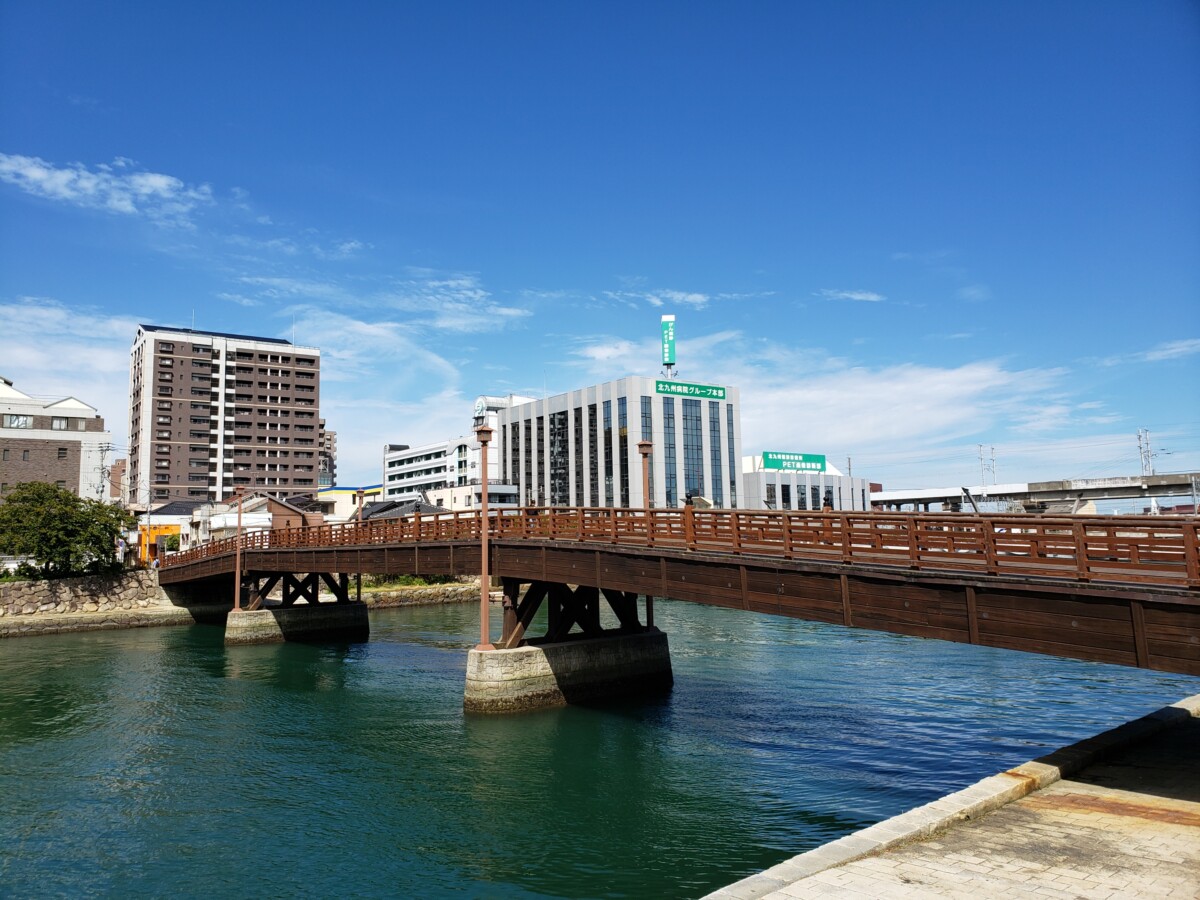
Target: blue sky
<point>902,230</point>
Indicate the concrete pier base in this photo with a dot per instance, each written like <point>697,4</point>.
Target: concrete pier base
<point>302,623</point>
<point>572,671</point>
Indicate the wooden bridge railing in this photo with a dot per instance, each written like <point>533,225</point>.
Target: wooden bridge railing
<point>1159,550</point>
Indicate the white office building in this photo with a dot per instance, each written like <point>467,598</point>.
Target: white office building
<point>581,448</point>
<point>448,473</point>
<point>786,480</point>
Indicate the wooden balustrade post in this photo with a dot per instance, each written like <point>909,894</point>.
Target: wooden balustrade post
<point>689,526</point>
<point>1082,564</point>
<point>1191,551</point>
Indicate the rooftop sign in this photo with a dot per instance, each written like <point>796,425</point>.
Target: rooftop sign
<point>668,341</point>
<point>684,389</point>
<point>794,462</point>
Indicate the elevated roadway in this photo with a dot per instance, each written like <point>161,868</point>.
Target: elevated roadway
<point>1184,484</point>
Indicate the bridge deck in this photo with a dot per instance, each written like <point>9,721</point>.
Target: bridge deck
<point>1114,589</point>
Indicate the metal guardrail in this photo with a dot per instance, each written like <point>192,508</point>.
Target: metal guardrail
<point>1152,550</point>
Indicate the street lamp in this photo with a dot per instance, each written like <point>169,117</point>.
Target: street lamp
<point>237,556</point>
<point>358,539</point>
<point>644,448</point>
<point>485,632</point>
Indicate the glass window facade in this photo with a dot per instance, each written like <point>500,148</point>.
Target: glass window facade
<point>693,449</point>
<point>560,484</point>
<point>648,435</point>
<point>714,443</point>
<point>608,454</point>
<point>578,422</point>
<point>623,449</point>
<point>593,455</point>
<point>670,478</point>
<point>733,460</point>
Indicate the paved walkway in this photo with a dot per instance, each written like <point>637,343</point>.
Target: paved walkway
<point>1122,821</point>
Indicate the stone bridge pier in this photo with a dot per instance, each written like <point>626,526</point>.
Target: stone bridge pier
<point>300,614</point>
<point>577,659</point>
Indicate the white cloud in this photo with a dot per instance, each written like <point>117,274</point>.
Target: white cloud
<point>114,187</point>
<point>1161,353</point>
<point>660,298</point>
<point>1172,350</point>
<point>974,293</point>
<point>456,302</point>
<point>50,349</point>
<point>380,384</point>
<point>859,296</point>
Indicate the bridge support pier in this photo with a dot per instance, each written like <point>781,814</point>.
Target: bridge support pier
<point>307,621</point>
<point>567,665</point>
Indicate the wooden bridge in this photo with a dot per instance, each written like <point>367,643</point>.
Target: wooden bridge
<point>1121,590</point>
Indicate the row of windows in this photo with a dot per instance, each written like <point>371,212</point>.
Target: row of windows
<point>57,423</point>
<point>61,453</point>
<point>4,486</point>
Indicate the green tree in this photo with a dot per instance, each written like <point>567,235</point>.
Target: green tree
<point>63,534</point>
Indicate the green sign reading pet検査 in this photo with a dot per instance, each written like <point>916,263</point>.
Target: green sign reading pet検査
<point>683,389</point>
<point>795,462</point>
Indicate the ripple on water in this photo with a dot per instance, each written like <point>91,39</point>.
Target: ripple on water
<point>159,761</point>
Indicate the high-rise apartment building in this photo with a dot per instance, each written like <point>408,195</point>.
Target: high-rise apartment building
<point>327,458</point>
<point>209,412</point>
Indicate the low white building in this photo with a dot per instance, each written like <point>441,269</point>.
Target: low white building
<point>58,441</point>
<point>447,473</point>
<point>787,480</point>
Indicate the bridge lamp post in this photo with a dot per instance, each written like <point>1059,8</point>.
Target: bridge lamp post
<point>485,632</point>
<point>237,555</point>
<point>644,448</point>
<point>358,537</point>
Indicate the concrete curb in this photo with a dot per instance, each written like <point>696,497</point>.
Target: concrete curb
<point>982,797</point>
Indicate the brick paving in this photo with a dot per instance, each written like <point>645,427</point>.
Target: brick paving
<point>1126,826</point>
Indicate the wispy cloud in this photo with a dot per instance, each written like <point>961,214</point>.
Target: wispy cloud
<point>451,302</point>
<point>49,348</point>
<point>1172,350</point>
<point>974,293</point>
<point>858,296</point>
<point>280,288</point>
<point>1161,353</point>
<point>118,187</point>
<point>660,298</point>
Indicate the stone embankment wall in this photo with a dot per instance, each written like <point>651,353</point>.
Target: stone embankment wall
<point>130,590</point>
<point>130,600</point>
<point>420,596</point>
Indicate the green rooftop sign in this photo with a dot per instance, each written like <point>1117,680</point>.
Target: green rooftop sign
<point>794,462</point>
<point>668,341</point>
<point>683,389</point>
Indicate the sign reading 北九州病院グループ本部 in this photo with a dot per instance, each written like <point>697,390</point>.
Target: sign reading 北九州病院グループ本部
<point>799,462</point>
<point>683,389</point>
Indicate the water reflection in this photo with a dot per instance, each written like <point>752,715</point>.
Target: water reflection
<point>159,761</point>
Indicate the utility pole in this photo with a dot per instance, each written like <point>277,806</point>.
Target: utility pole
<point>1145,453</point>
<point>849,468</point>
<point>983,466</point>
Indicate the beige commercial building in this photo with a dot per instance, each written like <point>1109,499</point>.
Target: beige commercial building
<point>209,412</point>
